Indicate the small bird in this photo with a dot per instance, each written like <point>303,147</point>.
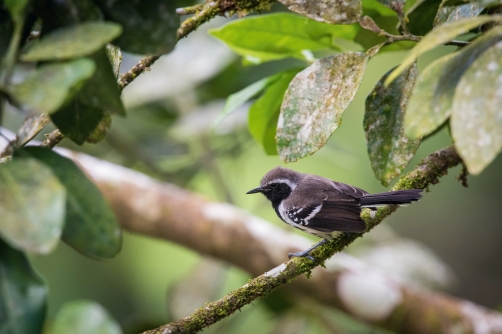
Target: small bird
<point>321,206</point>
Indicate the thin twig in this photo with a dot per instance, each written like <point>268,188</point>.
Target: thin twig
<point>52,139</point>
<point>427,173</point>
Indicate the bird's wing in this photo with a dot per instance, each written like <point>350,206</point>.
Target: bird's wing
<point>336,207</point>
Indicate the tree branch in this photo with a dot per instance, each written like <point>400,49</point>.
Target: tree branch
<point>149,207</point>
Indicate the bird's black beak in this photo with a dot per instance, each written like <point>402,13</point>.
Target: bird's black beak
<point>257,190</point>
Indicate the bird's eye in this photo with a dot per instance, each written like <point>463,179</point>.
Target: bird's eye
<point>273,185</point>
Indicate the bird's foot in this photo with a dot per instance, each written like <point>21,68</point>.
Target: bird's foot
<point>301,254</point>
<point>305,253</point>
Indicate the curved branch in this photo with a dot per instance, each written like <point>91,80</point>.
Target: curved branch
<point>149,207</point>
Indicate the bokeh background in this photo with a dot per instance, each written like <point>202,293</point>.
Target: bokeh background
<point>167,134</point>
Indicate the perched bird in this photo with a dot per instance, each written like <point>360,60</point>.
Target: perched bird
<point>321,206</point>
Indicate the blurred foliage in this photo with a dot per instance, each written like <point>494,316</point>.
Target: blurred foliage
<point>62,57</point>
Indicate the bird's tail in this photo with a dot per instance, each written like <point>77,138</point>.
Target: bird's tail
<point>398,197</point>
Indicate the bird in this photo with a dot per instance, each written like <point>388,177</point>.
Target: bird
<point>323,207</point>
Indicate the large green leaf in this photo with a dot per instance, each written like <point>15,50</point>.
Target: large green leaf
<point>389,149</point>
<point>90,225</point>
<point>264,113</point>
<point>32,205</point>
<point>276,36</point>
<point>439,36</point>
<point>23,294</point>
<point>327,11</point>
<point>432,97</point>
<point>47,88</point>
<point>84,317</point>
<point>149,26</point>
<point>72,42</point>
<point>476,121</point>
<point>314,103</point>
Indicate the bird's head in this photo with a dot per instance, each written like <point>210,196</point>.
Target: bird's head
<point>278,184</point>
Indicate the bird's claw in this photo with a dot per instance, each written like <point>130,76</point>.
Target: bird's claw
<point>301,254</point>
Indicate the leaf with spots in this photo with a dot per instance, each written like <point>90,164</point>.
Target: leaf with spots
<point>431,101</point>
<point>32,205</point>
<point>389,149</point>
<point>327,11</point>
<point>447,14</point>
<point>314,103</point>
<point>439,36</point>
<point>90,225</point>
<point>476,120</point>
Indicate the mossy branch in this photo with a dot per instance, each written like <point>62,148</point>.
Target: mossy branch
<point>427,173</point>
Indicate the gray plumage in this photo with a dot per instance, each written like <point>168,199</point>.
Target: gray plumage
<point>323,207</point>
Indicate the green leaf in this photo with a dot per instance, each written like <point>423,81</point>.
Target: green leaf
<point>47,88</point>
<point>31,205</point>
<point>455,13</point>
<point>31,126</point>
<point>90,108</point>
<point>276,36</point>
<point>327,11</point>
<point>77,120</point>
<point>421,16</point>
<point>90,225</point>
<point>149,26</point>
<point>438,36</point>
<point>236,100</point>
<point>431,101</point>
<point>16,7</point>
<point>476,121</point>
<point>72,42</point>
<point>389,149</point>
<point>314,103</point>
<point>84,317</point>
<point>102,91</point>
<point>264,113</point>
<point>23,294</point>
